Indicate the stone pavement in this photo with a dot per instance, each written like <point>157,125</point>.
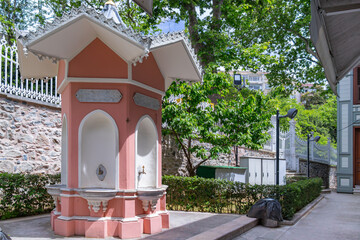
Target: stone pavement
<point>38,227</point>
<point>337,216</point>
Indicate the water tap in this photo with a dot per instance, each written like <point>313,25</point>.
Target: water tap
<point>143,170</point>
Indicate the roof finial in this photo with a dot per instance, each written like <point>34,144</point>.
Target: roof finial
<point>110,2</point>
<point>110,12</point>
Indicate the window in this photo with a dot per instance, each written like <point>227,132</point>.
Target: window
<point>254,78</point>
<point>356,85</point>
<point>255,87</point>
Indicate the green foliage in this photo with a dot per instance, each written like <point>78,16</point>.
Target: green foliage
<point>23,195</point>
<point>313,99</point>
<point>260,35</point>
<point>267,35</point>
<point>21,14</point>
<point>320,119</point>
<point>220,196</point>
<point>234,120</point>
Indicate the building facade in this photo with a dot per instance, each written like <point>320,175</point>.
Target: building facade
<point>348,167</point>
<point>254,81</point>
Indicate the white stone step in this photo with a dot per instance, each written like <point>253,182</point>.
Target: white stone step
<point>356,190</point>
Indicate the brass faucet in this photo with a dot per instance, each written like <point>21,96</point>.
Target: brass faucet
<point>143,170</point>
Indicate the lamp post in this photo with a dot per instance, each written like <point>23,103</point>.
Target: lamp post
<point>290,114</point>
<point>236,156</point>
<point>315,139</point>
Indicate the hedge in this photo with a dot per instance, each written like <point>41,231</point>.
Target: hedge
<point>220,196</point>
<point>24,195</point>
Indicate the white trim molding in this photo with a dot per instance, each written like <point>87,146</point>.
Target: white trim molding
<point>68,80</point>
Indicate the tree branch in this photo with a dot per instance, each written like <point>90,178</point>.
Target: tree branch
<point>128,14</point>
<point>305,40</point>
<point>187,154</point>
<point>201,162</point>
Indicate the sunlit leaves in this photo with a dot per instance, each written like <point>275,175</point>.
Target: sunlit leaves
<point>234,120</point>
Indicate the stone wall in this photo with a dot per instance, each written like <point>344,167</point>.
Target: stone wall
<point>332,178</point>
<point>30,137</point>
<point>316,170</point>
<point>174,161</point>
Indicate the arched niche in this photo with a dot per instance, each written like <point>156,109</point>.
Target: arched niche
<point>146,153</point>
<point>98,151</point>
<point>64,151</point>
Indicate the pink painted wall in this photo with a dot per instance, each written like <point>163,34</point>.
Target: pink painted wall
<point>148,73</point>
<point>61,72</point>
<point>98,61</point>
<point>126,115</point>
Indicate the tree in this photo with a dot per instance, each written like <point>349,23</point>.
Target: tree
<point>268,35</point>
<point>286,27</point>
<point>320,119</point>
<point>312,99</point>
<point>20,14</point>
<point>203,130</point>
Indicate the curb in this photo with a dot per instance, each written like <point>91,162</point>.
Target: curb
<point>302,212</point>
<point>18,219</point>
<point>228,230</point>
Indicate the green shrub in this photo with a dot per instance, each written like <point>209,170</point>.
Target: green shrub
<point>220,196</point>
<point>24,195</point>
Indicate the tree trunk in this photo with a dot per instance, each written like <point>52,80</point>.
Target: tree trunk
<point>193,22</point>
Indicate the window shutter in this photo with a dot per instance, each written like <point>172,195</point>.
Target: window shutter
<point>356,90</point>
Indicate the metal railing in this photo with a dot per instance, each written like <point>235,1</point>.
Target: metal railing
<point>292,148</point>
<point>43,91</point>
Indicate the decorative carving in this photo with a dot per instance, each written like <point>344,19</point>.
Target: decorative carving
<point>152,203</point>
<point>146,101</point>
<point>101,172</point>
<point>145,204</point>
<point>55,198</point>
<point>95,205</point>
<point>98,95</point>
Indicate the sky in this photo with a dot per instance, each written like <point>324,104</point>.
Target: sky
<point>171,26</point>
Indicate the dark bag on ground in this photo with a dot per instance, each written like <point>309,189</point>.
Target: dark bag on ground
<point>4,236</point>
<point>266,208</point>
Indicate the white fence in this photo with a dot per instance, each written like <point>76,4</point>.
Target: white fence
<point>43,91</point>
<point>292,148</point>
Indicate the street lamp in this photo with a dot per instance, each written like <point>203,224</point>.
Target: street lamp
<point>315,139</point>
<point>238,80</point>
<point>290,114</point>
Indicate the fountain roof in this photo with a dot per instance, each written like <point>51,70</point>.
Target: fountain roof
<point>68,35</point>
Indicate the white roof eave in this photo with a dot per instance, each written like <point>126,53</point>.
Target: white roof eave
<point>171,40</point>
<point>136,40</point>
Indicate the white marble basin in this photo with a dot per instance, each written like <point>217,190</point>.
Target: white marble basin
<point>150,196</point>
<point>97,193</point>
<point>97,197</point>
<point>54,190</point>
<point>150,193</point>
